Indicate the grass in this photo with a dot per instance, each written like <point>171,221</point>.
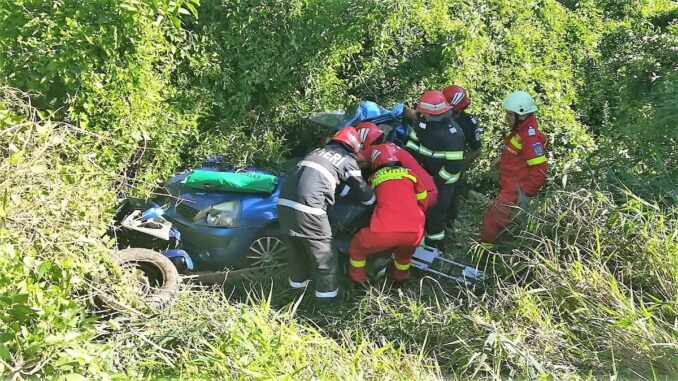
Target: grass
<point>207,336</point>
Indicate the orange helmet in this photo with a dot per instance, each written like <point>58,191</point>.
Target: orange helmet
<point>433,102</point>
<point>369,133</point>
<point>382,155</point>
<point>349,137</point>
<point>456,97</point>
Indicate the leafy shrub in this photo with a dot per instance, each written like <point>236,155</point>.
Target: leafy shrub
<point>51,247</point>
<point>104,66</point>
<point>265,63</point>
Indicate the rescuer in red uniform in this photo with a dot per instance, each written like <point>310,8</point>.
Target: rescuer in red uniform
<point>397,222</point>
<point>371,136</point>
<point>522,165</point>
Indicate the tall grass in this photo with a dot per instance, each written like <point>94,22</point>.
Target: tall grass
<point>207,336</point>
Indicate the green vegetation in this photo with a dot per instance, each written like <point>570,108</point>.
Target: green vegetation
<point>103,98</point>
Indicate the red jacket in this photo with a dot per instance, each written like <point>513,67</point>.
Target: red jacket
<point>408,161</point>
<point>523,160</point>
<point>398,208</point>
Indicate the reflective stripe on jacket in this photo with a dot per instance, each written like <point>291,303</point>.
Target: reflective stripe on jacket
<point>408,161</point>
<point>308,191</point>
<point>439,147</point>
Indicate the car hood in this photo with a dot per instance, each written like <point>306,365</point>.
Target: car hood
<point>256,208</point>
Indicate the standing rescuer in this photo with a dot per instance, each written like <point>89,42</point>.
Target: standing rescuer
<point>397,222</point>
<point>437,141</point>
<point>458,99</point>
<point>371,137</point>
<point>302,210</point>
<point>522,165</point>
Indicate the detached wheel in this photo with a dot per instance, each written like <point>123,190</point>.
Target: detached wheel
<point>268,249</point>
<point>157,278</point>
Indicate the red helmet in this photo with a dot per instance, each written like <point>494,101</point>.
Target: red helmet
<point>383,154</point>
<point>348,136</point>
<point>368,133</point>
<point>433,102</point>
<point>456,97</point>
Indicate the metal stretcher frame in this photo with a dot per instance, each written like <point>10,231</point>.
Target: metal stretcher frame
<point>425,256</point>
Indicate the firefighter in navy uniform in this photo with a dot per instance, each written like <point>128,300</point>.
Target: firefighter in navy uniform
<point>437,141</point>
<point>458,99</point>
<point>302,211</point>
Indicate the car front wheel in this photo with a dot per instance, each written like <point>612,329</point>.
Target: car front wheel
<point>268,249</point>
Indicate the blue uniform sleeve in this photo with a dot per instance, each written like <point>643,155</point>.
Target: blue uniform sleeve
<point>473,138</point>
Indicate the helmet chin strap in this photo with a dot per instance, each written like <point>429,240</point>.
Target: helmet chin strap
<point>519,119</point>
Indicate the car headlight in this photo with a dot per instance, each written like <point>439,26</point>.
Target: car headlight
<point>224,215</point>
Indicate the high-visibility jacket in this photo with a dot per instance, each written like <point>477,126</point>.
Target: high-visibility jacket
<point>439,147</point>
<point>398,208</point>
<point>408,161</point>
<point>523,159</point>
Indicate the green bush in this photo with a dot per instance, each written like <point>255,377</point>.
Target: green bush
<point>53,205</point>
<point>106,67</point>
<point>266,63</point>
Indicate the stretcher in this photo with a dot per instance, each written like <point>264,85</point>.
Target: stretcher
<point>430,260</point>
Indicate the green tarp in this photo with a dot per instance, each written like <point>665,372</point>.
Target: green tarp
<point>246,182</point>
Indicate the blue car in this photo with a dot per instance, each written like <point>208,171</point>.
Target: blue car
<point>226,229</point>
<point>236,230</point>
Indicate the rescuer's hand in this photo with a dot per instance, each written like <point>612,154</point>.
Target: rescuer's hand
<point>495,163</point>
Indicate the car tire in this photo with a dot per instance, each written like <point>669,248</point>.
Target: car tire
<point>268,249</point>
<point>157,278</point>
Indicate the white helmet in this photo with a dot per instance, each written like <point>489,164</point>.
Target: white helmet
<point>519,102</point>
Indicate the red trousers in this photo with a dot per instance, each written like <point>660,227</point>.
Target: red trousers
<point>367,242</point>
<point>499,215</point>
